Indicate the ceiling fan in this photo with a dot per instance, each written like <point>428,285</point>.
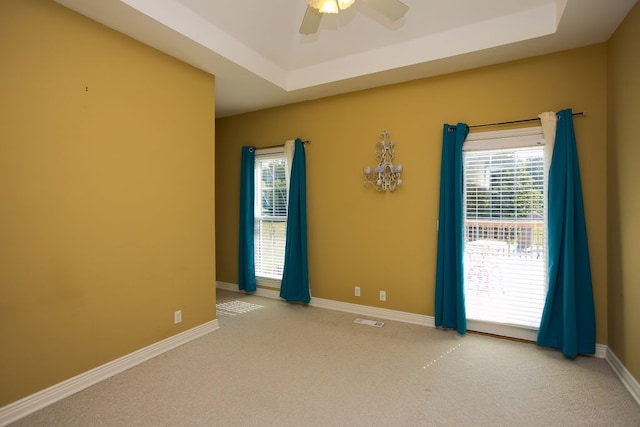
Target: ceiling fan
<point>392,9</point>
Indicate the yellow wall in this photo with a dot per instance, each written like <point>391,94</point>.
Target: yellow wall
<point>388,241</point>
<point>624,199</point>
<point>106,183</point>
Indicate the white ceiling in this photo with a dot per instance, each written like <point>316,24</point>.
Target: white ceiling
<point>260,60</point>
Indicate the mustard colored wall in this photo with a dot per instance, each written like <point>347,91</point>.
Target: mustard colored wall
<point>358,237</point>
<point>624,198</point>
<point>106,183</point>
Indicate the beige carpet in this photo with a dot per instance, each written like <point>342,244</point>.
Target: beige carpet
<point>291,365</point>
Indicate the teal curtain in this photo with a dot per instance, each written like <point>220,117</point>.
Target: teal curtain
<point>450,310</point>
<point>295,277</point>
<point>568,318</point>
<point>246,257</point>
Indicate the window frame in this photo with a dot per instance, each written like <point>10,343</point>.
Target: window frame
<point>262,154</point>
<point>505,139</point>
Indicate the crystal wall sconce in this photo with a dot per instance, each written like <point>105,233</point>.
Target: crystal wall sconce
<point>385,176</point>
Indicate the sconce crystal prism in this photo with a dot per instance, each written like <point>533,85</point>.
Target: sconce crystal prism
<point>385,176</point>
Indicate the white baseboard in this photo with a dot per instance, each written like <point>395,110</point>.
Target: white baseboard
<point>400,316</point>
<point>601,351</point>
<point>27,405</point>
<point>376,312</point>
<point>625,376</point>
<point>363,310</point>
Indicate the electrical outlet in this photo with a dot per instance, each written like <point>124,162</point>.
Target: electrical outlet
<point>357,291</point>
<point>177,317</point>
<point>383,295</point>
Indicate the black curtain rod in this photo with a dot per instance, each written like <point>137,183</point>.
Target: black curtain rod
<point>581,113</point>
<point>278,145</point>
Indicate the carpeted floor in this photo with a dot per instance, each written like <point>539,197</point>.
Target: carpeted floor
<point>292,365</point>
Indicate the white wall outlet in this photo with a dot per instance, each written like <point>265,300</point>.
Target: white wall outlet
<point>383,295</point>
<point>357,291</point>
<point>177,317</point>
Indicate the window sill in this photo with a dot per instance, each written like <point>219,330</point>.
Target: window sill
<point>268,282</point>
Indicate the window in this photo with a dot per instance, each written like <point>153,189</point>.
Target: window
<point>270,215</point>
<point>505,250</point>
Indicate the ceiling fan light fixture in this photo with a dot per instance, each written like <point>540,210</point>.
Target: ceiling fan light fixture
<point>343,4</point>
<point>330,6</point>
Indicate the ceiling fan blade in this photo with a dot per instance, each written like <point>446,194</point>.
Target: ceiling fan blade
<point>392,9</point>
<point>311,21</point>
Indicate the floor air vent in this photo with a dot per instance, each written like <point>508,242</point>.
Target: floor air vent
<point>237,307</point>
<point>376,323</point>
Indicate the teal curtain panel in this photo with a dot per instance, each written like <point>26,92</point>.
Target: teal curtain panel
<point>246,257</point>
<point>449,298</point>
<point>295,277</point>
<point>568,318</point>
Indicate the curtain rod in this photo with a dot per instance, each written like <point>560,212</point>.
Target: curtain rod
<point>581,113</point>
<point>278,145</point>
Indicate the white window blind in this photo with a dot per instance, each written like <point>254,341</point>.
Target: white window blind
<point>505,239</point>
<point>270,213</point>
